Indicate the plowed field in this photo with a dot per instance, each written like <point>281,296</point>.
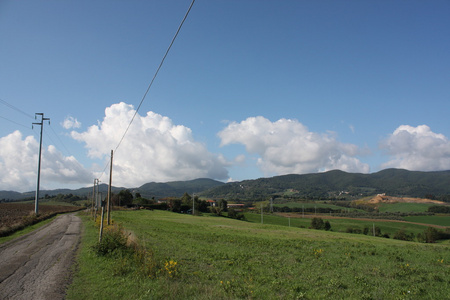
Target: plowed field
<point>15,216</point>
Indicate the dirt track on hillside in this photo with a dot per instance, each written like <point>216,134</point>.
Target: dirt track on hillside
<point>38,265</point>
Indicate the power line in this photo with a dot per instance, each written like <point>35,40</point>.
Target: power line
<point>151,83</point>
<point>68,152</point>
<point>156,73</point>
<point>15,108</point>
<point>15,122</point>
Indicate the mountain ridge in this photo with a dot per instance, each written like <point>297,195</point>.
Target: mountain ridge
<point>326,185</point>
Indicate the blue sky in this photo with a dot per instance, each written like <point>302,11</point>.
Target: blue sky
<point>249,89</point>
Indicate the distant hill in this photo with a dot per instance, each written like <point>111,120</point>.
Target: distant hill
<point>148,190</point>
<point>328,185</point>
<point>177,188</point>
<point>338,185</point>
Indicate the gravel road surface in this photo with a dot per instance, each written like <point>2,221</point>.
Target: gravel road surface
<point>38,265</point>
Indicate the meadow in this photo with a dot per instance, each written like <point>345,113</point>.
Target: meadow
<point>341,224</point>
<point>207,257</point>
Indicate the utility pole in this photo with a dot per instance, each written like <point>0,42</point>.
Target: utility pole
<point>96,182</point>
<point>193,204</point>
<point>94,199</point>
<point>262,217</point>
<point>93,195</point>
<point>109,190</point>
<point>36,200</point>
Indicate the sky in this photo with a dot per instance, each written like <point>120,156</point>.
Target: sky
<point>249,89</point>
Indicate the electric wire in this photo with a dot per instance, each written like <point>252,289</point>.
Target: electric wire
<point>156,73</point>
<point>4,102</point>
<point>151,83</point>
<point>28,127</point>
<point>15,108</point>
<point>60,141</point>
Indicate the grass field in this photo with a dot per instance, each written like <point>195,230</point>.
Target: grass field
<point>404,207</point>
<point>339,224</point>
<point>219,258</point>
<point>436,220</point>
<point>309,205</point>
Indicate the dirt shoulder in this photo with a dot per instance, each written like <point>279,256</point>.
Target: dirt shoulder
<point>37,265</point>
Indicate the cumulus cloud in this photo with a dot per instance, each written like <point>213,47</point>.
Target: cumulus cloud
<point>287,146</point>
<point>417,148</point>
<point>70,122</point>
<point>18,162</point>
<point>154,148</point>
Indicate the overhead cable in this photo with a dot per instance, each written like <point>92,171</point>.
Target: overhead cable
<point>156,73</point>
<point>15,108</point>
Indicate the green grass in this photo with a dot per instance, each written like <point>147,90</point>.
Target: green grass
<point>312,205</point>
<point>404,207</point>
<point>309,205</point>
<point>220,258</point>
<point>25,230</point>
<point>436,220</point>
<point>339,225</point>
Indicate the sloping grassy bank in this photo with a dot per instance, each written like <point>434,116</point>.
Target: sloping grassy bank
<point>218,258</point>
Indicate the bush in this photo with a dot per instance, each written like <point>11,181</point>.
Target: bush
<point>402,235</point>
<point>113,239</point>
<point>317,223</point>
<point>431,235</point>
<point>235,215</point>
<point>327,225</point>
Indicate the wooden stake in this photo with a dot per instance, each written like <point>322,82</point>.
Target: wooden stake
<point>109,190</point>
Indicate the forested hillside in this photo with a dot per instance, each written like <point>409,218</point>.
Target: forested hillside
<point>339,185</point>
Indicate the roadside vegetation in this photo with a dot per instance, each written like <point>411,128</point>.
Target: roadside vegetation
<point>166,255</point>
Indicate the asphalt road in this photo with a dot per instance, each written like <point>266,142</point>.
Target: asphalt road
<point>38,265</point>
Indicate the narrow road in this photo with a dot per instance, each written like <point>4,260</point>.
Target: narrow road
<point>38,265</point>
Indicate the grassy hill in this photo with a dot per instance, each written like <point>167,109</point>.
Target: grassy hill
<point>191,257</point>
<point>328,185</point>
<point>148,190</point>
<point>177,188</point>
<point>338,185</point>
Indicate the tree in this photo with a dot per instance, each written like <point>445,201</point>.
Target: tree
<point>223,204</point>
<point>327,225</point>
<point>186,199</point>
<point>431,235</point>
<point>125,197</point>
<point>317,223</point>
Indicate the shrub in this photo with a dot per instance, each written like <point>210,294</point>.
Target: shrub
<point>431,235</point>
<point>113,239</point>
<point>317,223</point>
<point>402,235</point>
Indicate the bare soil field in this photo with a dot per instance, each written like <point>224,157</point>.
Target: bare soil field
<point>390,199</point>
<point>15,216</point>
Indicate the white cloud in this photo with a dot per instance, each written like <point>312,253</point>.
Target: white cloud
<point>18,162</point>
<point>417,148</point>
<point>70,122</point>
<point>286,146</point>
<point>154,148</point>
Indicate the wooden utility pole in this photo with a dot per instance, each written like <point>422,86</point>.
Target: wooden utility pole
<point>262,218</point>
<point>109,190</point>
<point>93,196</point>
<point>101,222</point>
